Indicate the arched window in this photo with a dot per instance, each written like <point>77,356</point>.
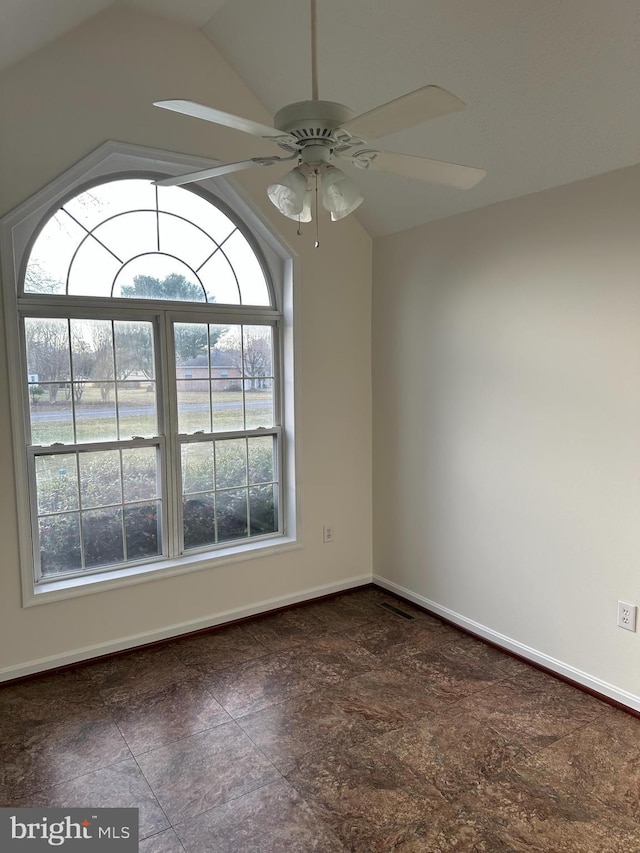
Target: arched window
<point>149,334</point>
<point>121,238</point>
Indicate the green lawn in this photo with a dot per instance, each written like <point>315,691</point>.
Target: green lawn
<point>96,420</point>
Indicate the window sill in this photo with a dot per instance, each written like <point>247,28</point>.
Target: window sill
<point>116,578</point>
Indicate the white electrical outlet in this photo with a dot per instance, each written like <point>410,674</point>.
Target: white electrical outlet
<point>327,533</point>
<point>627,614</point>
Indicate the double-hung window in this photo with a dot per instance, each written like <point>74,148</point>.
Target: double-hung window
<point>150,373</point>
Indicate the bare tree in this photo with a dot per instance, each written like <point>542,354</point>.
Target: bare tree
<point>48,353</point>
<point>254,358</point>
<point>257,358</point>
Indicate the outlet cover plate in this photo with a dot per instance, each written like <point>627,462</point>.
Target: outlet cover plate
<point>627,615</point>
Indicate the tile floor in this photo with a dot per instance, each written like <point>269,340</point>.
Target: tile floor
<point>335,726</point>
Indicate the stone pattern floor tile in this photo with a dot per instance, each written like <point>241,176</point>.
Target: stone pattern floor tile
<point>120,785</point>
<point>271,819</point>
<point>602,760</point>
<point>73,744</point>
<point>288,731</point>
<point>163,842</point>
<point>123,677</point>
<point>218,649</point>
<point>192,775</point>
<point>453,750</point>
<point>179,710</point>
<point>330,727</point>
<point>258,684</point>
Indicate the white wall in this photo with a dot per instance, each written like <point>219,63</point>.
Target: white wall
<point>506,364</point>
<point>98,83</point>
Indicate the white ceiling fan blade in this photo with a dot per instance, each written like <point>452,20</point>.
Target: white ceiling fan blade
<point>191,108</point>
<point>405,111</point>
<point>216,171</point>
<point>420,168</point>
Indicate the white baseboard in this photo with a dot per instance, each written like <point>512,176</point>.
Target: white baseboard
<point>630,700</point>
<point>89,652</point>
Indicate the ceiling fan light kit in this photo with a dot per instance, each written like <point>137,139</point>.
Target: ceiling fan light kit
<point>316,132</point>
<point>289,194</point>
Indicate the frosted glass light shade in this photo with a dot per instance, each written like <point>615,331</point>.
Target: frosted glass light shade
<point>340,195</point>
<point>305,214</point>
<point>290,193</point>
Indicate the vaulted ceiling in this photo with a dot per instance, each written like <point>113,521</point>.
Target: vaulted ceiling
<point>552,87</point>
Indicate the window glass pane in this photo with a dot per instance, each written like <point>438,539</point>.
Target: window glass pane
<point>225,353</point>
<point>197,467</point>
<point>137,409</point>
<point>262,509</point>
<point>226,371</point>
<point>51,255</point>
<point>259,403</point>
<point>129,234</point>
<point>140,473</point>
<point>228,406</point>
<point>261,461</point>
<point>96,413</point>
<point>47,344</point>
<point>194,407</point>
<point>102,537</point>
<point>194,207</point>
<point>60,544</point>
<point>99,203</point>
<point>199,521</point>
<point>231,463</point>
<point>57,483</point>
<point>191,343</point>
<point>142,528</point>
<point>253,285</point>
<point>92,270</point>
<point>92,349</point>
<point>134,350</point>
<point>257,351</point>
<point>50,413</point>
<point>100,482</point>
<point>219,280</point>
<point>157,276</point>
<point>184,240</point>
<point>231,514</point>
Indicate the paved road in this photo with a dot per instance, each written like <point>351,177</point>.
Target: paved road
<point>39,415</point>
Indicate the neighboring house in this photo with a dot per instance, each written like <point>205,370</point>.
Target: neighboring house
<point>224,365</point>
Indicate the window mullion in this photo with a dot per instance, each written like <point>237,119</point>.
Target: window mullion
<point>242,380</point>
<point>169,408</point>
<point>83,558</point>
<point>33,508</point>
<point>276,368</point>
<point>115,378</point>
<point>215,490</point>
<point>71,377</point>
<point>278,415</point>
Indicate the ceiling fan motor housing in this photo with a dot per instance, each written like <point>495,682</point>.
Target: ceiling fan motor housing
<point>312,121</point>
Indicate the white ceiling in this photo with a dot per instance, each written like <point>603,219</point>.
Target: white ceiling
<point>552,86</point>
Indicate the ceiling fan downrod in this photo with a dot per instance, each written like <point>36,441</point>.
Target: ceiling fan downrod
<point>314,51</point>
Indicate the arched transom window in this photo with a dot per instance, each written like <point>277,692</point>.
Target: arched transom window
<point>150,363</point>
<point>121,238</point>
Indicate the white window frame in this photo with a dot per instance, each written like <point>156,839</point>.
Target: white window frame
<point>17,231</point>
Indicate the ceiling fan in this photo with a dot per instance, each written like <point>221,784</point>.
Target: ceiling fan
<point>316,133</point>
